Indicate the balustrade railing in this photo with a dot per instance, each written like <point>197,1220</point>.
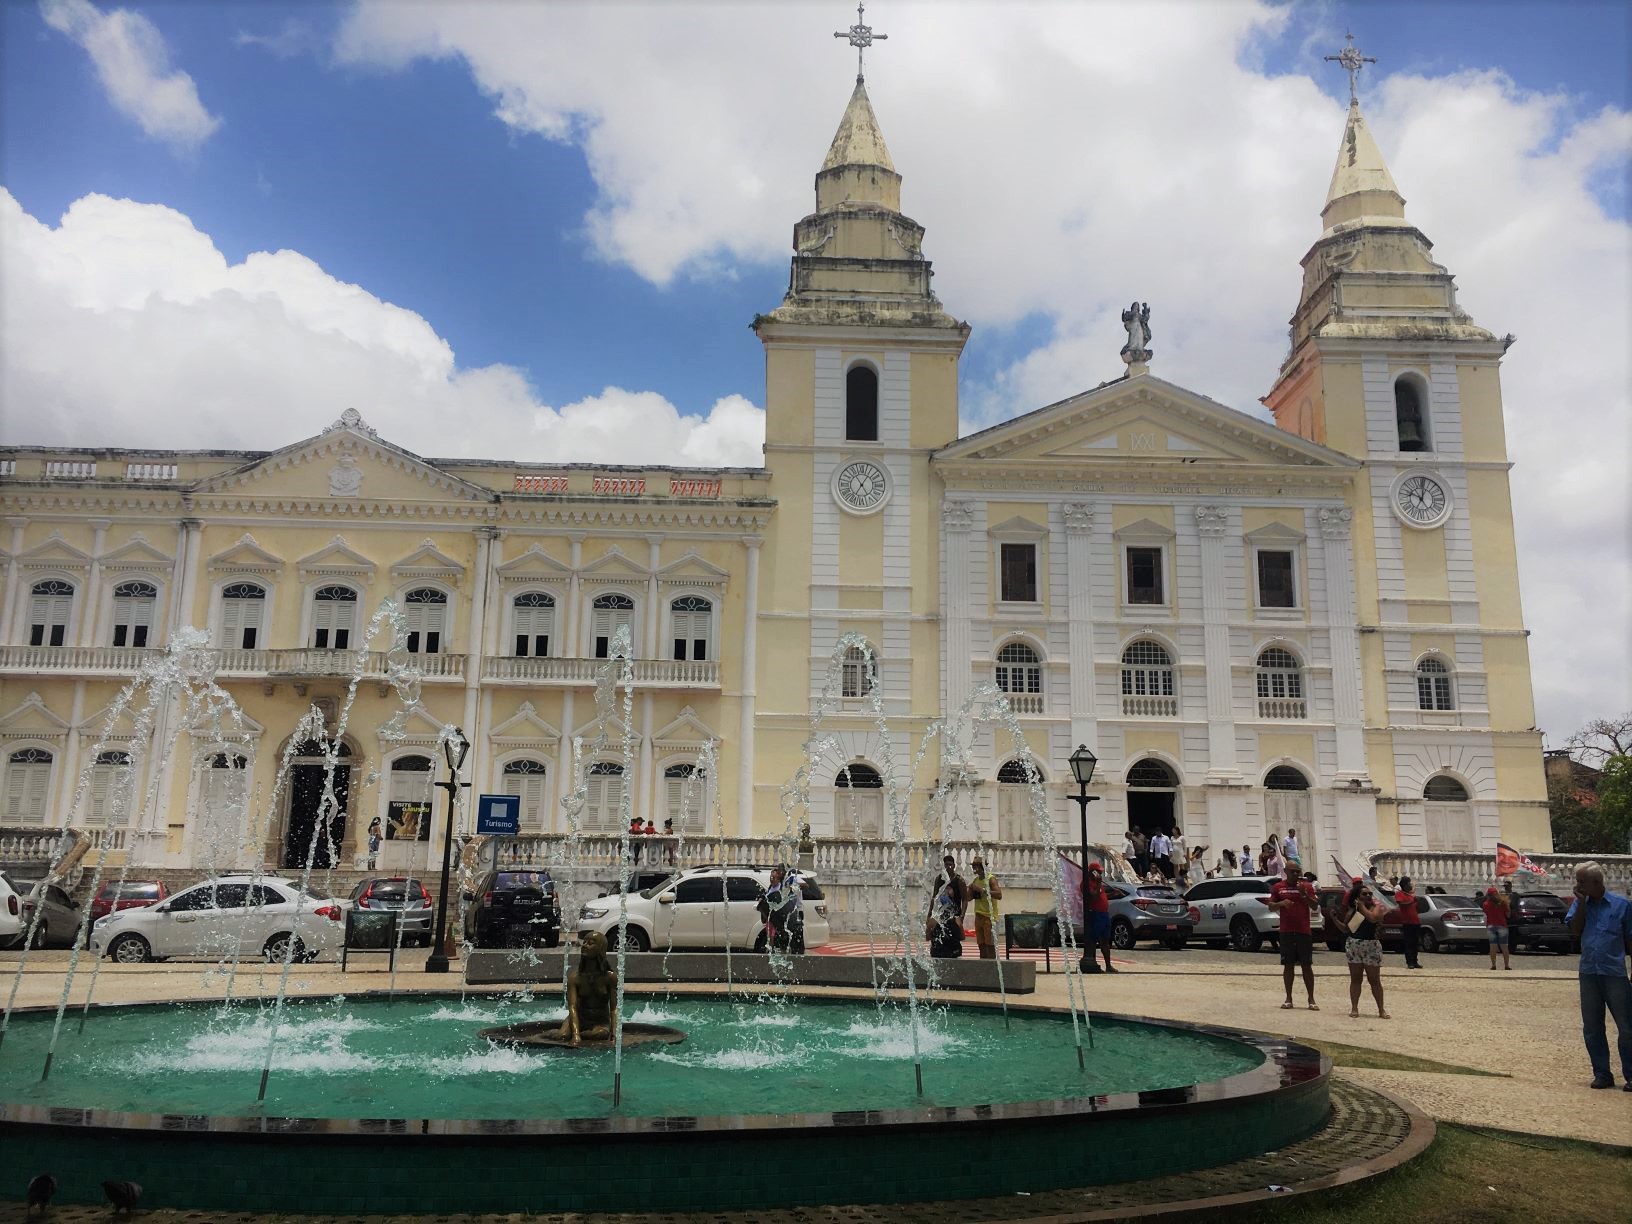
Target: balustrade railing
<point>531,483</point>
<point>693,488</point>
<point>126,660</point>
<point>620,486</point>
<point>1282,707</point>
<point>70,469</point>
<point>1025,703</point>
<point>678,672</point>
<point>150,471</point>
<point>1464,871</point>
<point>1135,706</point>
<point>120,659</point>
<point>8,467</point>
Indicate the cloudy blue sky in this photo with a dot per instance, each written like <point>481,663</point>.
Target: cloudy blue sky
<point>541,229</point>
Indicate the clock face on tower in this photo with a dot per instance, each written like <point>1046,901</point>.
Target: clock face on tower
<point>861,486</point>
<point>1421,500</point>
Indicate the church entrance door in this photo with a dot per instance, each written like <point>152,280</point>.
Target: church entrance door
<point>307,781</point>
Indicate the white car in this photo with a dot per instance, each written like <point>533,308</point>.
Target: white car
<point>11,914</point>
<point>701,908</point>
<point>237,915</point>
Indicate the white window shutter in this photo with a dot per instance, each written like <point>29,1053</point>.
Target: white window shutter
<point>26,788</point>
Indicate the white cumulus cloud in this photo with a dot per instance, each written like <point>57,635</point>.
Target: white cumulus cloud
<point>133,64</point>
<point>125,326</point>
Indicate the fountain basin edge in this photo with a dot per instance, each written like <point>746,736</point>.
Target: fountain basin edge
<point>622,1163</point>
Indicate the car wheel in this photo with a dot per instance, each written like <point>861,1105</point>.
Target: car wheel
<point>638,942</point>
<point>1427,941</point>
<point>1122,936</point>
<point>759,943</point>
<point>276,948</point>
<point>38,942</point>
<point>553,939</point>
<point>130,949</point>
<point>1244,936</point>
<point>1174,943</point>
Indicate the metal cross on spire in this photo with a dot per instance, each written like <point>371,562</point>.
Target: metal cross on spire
<point>861,36</point>
<point>1352,61</point>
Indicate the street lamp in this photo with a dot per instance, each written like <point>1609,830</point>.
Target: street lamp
<point>1082,768</point>
<point>454,748</point>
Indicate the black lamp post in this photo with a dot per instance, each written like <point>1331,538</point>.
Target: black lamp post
<point>1082,768</point>
<point>454,748</point>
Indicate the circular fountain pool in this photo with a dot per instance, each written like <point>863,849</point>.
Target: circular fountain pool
<point>803,1101</point>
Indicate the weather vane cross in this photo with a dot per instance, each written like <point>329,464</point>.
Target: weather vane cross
<point>1352,61</point>
<point>861,36</point>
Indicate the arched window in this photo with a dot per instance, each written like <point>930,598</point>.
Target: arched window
<point>685,798</point>
<point>133,605</point>
<point>1015,820</point>
<point>1285,778</point>
<point>859,672</point>
<point>525,778</point>
<point>603,801</point>
<point>861,404</point>
<point>243,615</point>
<point>1446,814</point>
<point>858,802</point>
<point>108,800</point>
<point>49,607</point>
<point>611,613</point>
<point>1435,690</point>
<point>1280,684</point>
<point>1442,788</point>
<point>1018,773</point>
<point>1147,681</point>
<point>1151,774</point>
<point>425,609</point>
<point>692,627</point>
<point>334,617</point>
<point>28,782</point>
<point>533,613</point>
<point>1019,670</point>
<point>1409,418</point>
<point>408,802</point>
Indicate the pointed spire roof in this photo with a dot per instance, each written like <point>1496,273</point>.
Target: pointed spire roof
<point>1362,191</point>
<point>858,142</point>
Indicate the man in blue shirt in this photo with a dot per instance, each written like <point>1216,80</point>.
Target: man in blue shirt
<point>1602,922</point>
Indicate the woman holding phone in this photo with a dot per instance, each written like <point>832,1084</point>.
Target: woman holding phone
<point>1363,914</point>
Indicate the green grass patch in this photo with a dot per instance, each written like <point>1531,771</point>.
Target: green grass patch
<point>1386,1060</point>
<point>1492,1177</point>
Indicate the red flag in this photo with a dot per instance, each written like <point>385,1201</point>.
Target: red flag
<point>1071,883</point>
<point>1343,877</point>
<point>1510,862</point>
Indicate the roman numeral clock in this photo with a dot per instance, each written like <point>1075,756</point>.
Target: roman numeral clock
<point>1421,499</point>
<point>861,486</point>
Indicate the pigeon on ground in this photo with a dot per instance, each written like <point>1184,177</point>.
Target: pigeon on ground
<point>124,1195</point>
<point>40,1191</point>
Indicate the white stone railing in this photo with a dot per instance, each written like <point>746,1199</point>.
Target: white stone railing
<point>70,469</point>
<point>28,845</point>
<point>1459,871</point>
<point>119,660</point>
<point>8,467</point>
<point>150,471</point>
<point>1282,707</point>
<point>1025,703</point>
<point>1149,707</point>
<point>533,482</point>
<point>678,673</point>
<point>126,660</point>
<point>115,838</point>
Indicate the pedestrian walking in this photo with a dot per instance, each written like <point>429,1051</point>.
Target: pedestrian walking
<point>1227,863</point>
<point>944,925</point>
<point>1274,864</point>
<point>1496,929</point>
<point>1141,860</point>
<point>781,910</point>
<point>1289,847</point>
<point>1178,855</point>
<point>1293,897</point>
<point>985,893</point>
<point>1602,922</point>
<point>1363,915</point>
<point>1410,920</point>
<point>374,839</point>
<point>1096,918</point>
<point>1158,850</point>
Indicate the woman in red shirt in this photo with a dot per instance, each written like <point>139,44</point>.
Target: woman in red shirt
<point>1495,907</point>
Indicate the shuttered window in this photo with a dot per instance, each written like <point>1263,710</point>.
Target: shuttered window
<point>108,800</point>
<point>611,613</point>
<point>28,782</point>
<point>858,802</point>
<point>685,793</point>
<point>525,778</point>
<point>534,623</point>
<point>603,804</point>
<point>860,673</point>
<point>243,615</point>
<point>51,604</point>
<point>334,617</point>
<point>133,604</point>
<point>692,627</point>
<point>426,612</point>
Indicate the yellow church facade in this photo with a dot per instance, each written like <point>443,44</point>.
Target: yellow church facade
<point>1310,625</point>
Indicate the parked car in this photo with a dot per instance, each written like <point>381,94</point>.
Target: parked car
<point>405,896</point>
<point>11,914</point>
<point>1449,923</point>
<point>639,881</point>
<point>1233,910</point>
<point>235,915</point>
<point>132,894</point>
<point>1147,911</point>
<point>513,907</point>
<point>703,907</point>
<point>1536,920</point>
<point>58,924</point>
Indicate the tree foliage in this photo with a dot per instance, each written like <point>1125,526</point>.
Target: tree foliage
<point>1595,818</point>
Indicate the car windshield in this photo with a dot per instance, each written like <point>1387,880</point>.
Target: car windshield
<point>1166,894</point>
<point>524,879</point>
<point>395,890</point>
<point>316,894</point>
<point>1541,902</point>
<point>130,892</point>
<point>1455,903</point>
<point>662,884</point>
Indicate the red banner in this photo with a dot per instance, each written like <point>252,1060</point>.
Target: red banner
<point>1510,862</point>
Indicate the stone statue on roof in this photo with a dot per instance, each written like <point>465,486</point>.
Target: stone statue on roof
<point>1136,318</point>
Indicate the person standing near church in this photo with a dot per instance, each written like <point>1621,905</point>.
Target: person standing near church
<point>1178,856</point>
<point>1410,920</point>
<point>1141,863</point>
<point>1158,851</point>
<point>1603,923</point>
<point>986,892</point>
<point>1294,897</point>
<point>1096,918</point>
<point>1289,847</point>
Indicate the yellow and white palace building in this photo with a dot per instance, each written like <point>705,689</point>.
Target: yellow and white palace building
<point>1312,624</point>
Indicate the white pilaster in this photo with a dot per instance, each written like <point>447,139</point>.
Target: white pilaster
<point>654,559</point>
<point>1213,522</point>
<point>89,621</point>
<point>575,559</point>
<point>957,639</point>
<point>748,690</point>
<point>1079,549</point>
<point>8,613</point>
<point>1348,709</point>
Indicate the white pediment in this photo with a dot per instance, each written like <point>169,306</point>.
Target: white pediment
<point>526,727</point>
<point>136,554</point>
<point>237,733</point>
<point>1144,531</point>
<point>336,559</point>
<point>1275,533</point>
<point>54,552</point>
<point>418,728</point>
<point>687,732</point>
<point>692,570</point>
<point>246,557</point>
<point>32,720</point>
<point>1019,525</point>
<point>428,561</point>
<point>590,728</point>
<point>532,565</point>
<point>614,566</point>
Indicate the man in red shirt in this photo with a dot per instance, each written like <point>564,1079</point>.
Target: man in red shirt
<point>1410,921</point>
<point>1293,898</point>
<point>1097,920</point>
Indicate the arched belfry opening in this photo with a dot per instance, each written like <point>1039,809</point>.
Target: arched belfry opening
<point>861,404</point>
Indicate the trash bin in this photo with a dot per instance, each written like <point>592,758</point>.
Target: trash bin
<point>1031,931</point>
